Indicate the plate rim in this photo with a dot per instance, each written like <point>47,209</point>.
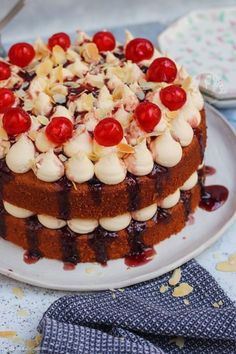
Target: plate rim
<point>139,278</point>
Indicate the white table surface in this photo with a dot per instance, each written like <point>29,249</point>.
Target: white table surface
<point>92,14</point>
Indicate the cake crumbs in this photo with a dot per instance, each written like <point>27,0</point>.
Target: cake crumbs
<point>163,288</point>
<point>182,289</point>
<point>175,278</point>
<point>229,265</point>
<point>18,292</point>
<point>179,341</point>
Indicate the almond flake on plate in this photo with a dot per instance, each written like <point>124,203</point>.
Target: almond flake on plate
<point>175,278</point>
<point>182,289</point>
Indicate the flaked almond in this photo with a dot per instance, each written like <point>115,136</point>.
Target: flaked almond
<point>232,258</point>
<point>44,68</point>
<point>3,134</point>
<point>28,105</point>
<point>163,288</point>
<point>85,102</point>
<point>23,313</point>
<point>74,185</point>
<point>229,265</point>
<point>226,267</point>
<point>90,52</point>
<point>186,83</point>
<point>125,148</point>
<point>42,120</point>
<point>18,292</point>
<point>118,93</point>
<point>172,114</point>
<point>186,302</point>
<point>33,135</point>
<point>89,270</point>
<point>182,289</point>
<point>7,334</point>
<point>175,278</point>
<point>58,55</point>
<point>41,49</point>
<point>62,157</point>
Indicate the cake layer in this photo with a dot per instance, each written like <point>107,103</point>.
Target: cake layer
<point>100,245</point>
<point>117,223</point>
<point>93,199</point>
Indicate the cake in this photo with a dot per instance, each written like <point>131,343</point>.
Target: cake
<point>101,147</point>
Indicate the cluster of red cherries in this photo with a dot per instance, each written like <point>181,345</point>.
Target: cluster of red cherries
<point>108,131</point>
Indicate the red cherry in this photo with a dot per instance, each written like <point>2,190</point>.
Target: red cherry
<point>21,54</point>
<point>7,99</point>
<point>16,121</point>
<point>5,71</point>
<point>59,130</point>
<point>148,115</point>
<point>173,97</point>
<point>108,132</point>
<point>62,39</point>
<point>162,70</point>
<point>105,41</point>
<point>139,49</point>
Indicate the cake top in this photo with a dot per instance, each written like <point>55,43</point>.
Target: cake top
<point>94,107</point>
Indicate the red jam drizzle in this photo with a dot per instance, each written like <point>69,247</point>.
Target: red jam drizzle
<point>213,197</point>
<point>69,266</point>
<point>140,259</point>
<point>30,258</point>
<point>209,170</point>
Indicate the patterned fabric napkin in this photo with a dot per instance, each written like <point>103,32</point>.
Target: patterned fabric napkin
<point>144,319</point>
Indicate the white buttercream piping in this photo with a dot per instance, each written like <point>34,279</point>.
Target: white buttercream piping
<point>16,211</point>
<point>20,157</point>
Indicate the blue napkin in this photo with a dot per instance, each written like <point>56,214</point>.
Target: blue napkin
<point>142,320</point>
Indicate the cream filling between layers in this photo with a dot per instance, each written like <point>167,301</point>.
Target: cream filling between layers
<point>117,223</point>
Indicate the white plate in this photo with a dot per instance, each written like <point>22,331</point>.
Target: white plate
<point>204,42</point>
<point>171,253</point>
